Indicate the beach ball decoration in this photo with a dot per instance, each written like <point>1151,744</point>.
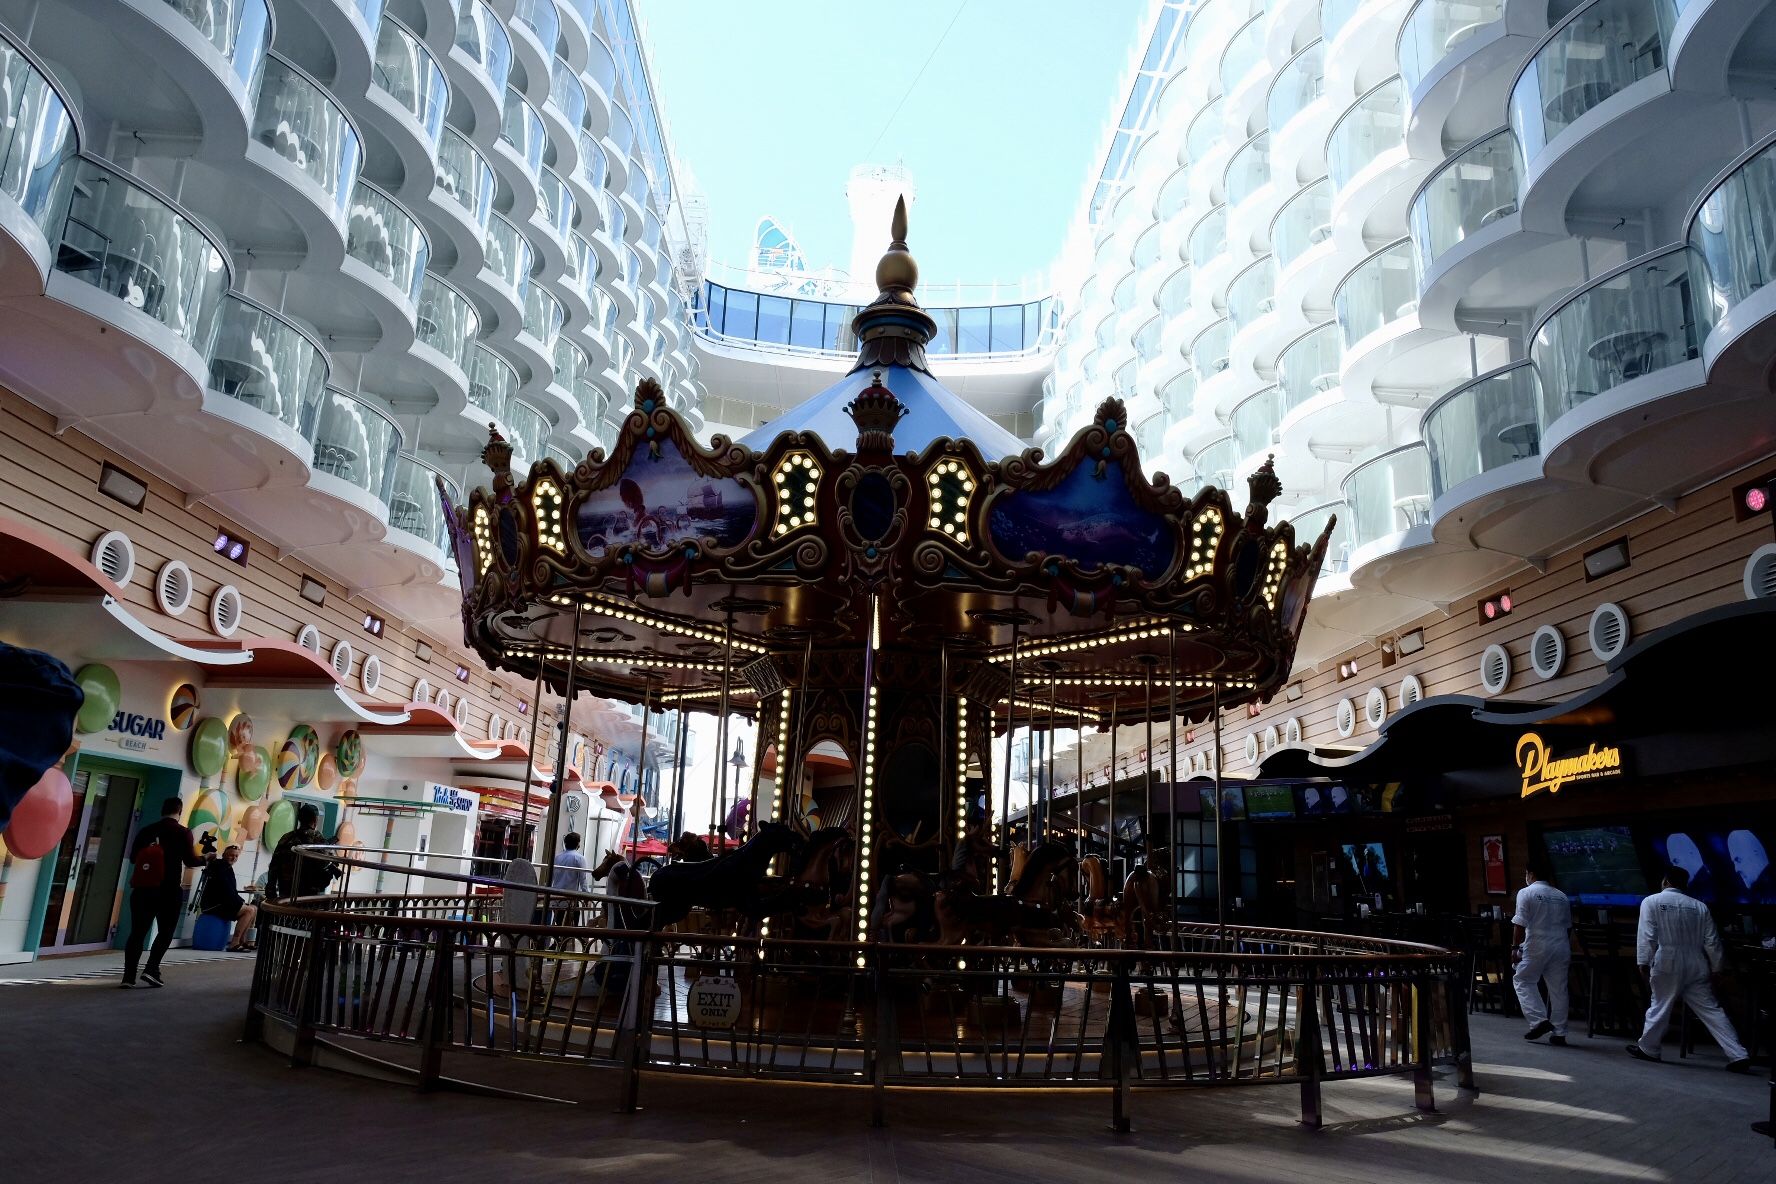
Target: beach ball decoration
<point>99,684</point>
<point>289,766</point>
<point>209,747</point>
<point>41,817</point>
<point>280,820</point>
<point>350,751</point>
<point>310,741</point>
<point>252,777</point>
<point>182,708</point>
<point>327,774</point>
<point>208,813</point>
<point>240,732</point>
<point>252,821</point>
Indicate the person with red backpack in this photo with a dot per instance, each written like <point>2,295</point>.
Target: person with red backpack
<point>160,850</point>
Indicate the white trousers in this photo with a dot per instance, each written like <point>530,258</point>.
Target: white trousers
<point>1549,965</point>
<point>1698,996</point>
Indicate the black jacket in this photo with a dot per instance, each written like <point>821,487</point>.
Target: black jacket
<point>281,878</point>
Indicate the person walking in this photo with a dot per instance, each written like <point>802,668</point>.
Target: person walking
<point>572,875</point>
<point>160,850</point>
<point>1542,951</point>
<point>1679,953</point>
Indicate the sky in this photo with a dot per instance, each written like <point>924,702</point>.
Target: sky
<point>771,103</point>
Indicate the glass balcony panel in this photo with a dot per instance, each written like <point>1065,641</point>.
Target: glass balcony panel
<point>1150,438</point>
<point>1309,366</point>
<point>615,220</point>
<point>594,166</point>
<point>585,267</point>
<point>1243,54</point>
<point>1382,289</point>
<point>1389,494</point>
<point>1178,397</point>
<point>1205,132</point>
<point>1147,341</point>
<point>465,176</point>
<point>1602,49</point>
<point>1489,422</point>
<point>1620,328</point>
<point>1208,353</point>
<point>1124,297</point>
<point>1304,221</point>
<point>567,93</point>
<point>1214,464</point>
<point>127,240</point>
<point>301,123</point>
<point>413,501</point>
<point>594,401</point>
<point>1249,170</point>
<point>1309,523</point>
<point>1733,236</point>
<point>239,29</point>
<point>1174,295</point>
<point>1435,28</point>
<point>542,316</point>
<point>1298,84</point>
<point>411,76</point>
<point>37,139</point>
<point>631,266</point>
<point>557,203</point>
<point>1255,419</point>
<point>355,442</point>
<point>386,239</point>
<point>509,255</point>
<point>264,361</point>
<point>1209,238</point>
<point>522,128</point>
<point>1252,293</point>
<point>541,18</point>
<point>1334,14</point>
<point>371,12</point>
<point>570,365</point>
<point>480,35</point>
<point>1146,252</point>
<point>447,321</point>
<point>1374,124</point>
<point>492,383</point>
<point>530,431</point>
<point>1470,192</point>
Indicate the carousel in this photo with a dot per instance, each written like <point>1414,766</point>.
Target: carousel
<point>885,580</point>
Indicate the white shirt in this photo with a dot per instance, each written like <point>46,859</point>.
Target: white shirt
<point>570,872</point>
<point>1544,912</point>
<point>1681,931</point>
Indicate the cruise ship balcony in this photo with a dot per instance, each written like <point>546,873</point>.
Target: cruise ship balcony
<point>403,111</point>
<point>39,136</point>
<point>1456,60</point>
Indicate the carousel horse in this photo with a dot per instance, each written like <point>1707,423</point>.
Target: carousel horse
<point>729,882</point>
<point>689,847</point>
<point>1143,908</point>
<point>1049,877</point>
<point>1099,916</point>
<point>905,909</point>
<point>819,891</point>
<point>968,911</point>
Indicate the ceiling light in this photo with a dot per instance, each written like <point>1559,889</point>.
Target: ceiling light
<point>123,487</point>
<point>462,674</point>
<point>314,591</point>
<point>1494,607</point>
<point>422,650</point>
<point>230,547</point>
<point>1609,558</point>
<point>373,624</point>
<point>1411,643</point>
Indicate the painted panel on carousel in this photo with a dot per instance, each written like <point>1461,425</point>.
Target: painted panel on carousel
<point>182,708</point>
<point>659,502</point>
<point>209,747</point>
<point>1088,518</point>
<point>462,544</point>
<point>252,776</point>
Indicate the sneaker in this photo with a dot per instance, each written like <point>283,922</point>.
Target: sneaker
<point>1557,1041</point>
<point>1742,1065</point>
<point>1539,1031</point>
<point>152,978</point>
<point>1634,1050</point>
<point>128,984</point>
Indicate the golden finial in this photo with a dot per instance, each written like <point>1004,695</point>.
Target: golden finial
<point>897,272</point>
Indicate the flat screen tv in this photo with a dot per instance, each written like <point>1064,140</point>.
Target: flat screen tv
<point>1233,803</point>
<point>1596,865</point>
<point>1270,801</point>
<point>1727,864</point>
<point>1366,864</point>
<point>1327,799</point>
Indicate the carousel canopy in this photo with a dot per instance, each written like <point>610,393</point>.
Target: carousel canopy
<point>914,529</point>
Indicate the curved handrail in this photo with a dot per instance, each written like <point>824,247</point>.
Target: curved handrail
<point>42,69</point>
<point>1757,149</point>
<point>1356,107</point>
<point>332,853</point>
<point>154,191</point>
<point>1487,376</point>
<point>1602,278</point>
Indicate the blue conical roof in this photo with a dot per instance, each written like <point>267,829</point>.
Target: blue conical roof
<point>933,411</point>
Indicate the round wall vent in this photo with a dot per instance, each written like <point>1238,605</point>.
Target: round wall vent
<point>1193,765</point>
<point>1292,731</point>
<point>341,658</point>
<point>1375,707</point>
<point>309,638</point>
<point>1346,716</point>
<point>115,557</point>
<point>1547,651</point>
<point>461,713</point>
<point>1411,690</point>
<point>172,587</point>
<point>1251,748</point>
<point>370,674</point>
<point>422,692</point>
<point>1608,631</point>
<point>1495,669</point>
<point>496,727</point>
<point>442,700</point>
<point>1760,573</point>
<point>1273,739</point>
<point>225,610</point>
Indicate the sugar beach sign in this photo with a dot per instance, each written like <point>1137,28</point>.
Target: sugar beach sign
<point>1542,770</point>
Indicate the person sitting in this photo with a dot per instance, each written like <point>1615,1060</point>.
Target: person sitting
<point>221,898</point>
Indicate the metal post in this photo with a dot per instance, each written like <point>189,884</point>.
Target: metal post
<point>1110,797</point>
<point>1308,1059</point>
<point>1005,793</point>
<point>559,779</point>
<point>647,703</point>
<point>943,735</point>
<point>1079,792</point>
<point>789,756</point>
<point>678,771</point>
<point>536,719</point>
<point>1423,1095</point>
<point>1220,865</point>
<point>1048,799</point>
<point>1031,769</point>
<point>721,745</point>
<point>1147,821</point>
<point>758,766</point>
<point>1172,744</point>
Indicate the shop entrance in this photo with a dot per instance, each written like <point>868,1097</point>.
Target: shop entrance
<point>87,879</point>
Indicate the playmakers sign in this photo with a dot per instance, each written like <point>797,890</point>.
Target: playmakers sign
<point>1542,770</point>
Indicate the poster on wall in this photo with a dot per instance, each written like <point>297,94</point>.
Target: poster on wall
<point>1492,858</point>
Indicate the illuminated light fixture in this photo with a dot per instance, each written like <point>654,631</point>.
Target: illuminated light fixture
<point>1274,572</point>
<point>1495,606</point>
<point>482,530</point>
<point>314,591</point>
<point>1411,643</point>
<point>866,820</point>
<point>373,624</point>
<point>462,674</point>
<point>523,707</point>
<point>123,487</point>
<point>624,611</point>
<point>1753,498</point>
<point>778,806</point>
<point>796,477</point>
<point>230,547</point>
<point>1253,710</point>
<point>545,501</point>
<point>1347,670</point>
<point>1613,557</point>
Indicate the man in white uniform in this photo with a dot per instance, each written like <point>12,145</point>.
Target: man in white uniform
<point>1543,953</point>
<point>1679,952</point>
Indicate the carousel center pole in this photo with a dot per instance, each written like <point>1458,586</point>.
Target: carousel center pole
<point>647,703</point>
<point>536,719</point>
<point>559,780</point>
<point>1147,821</point>
<point>1079,791</point>
<point>680,742</point>
<point>719,803</point>
<point>1049,794</point>
<point>1220,867</point>
<point>1005,793</point>
<point>789,753</point>
<point>1110,798</point>
<point>1171,765</point>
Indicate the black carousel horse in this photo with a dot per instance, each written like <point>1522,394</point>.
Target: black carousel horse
<point>729,882</point>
